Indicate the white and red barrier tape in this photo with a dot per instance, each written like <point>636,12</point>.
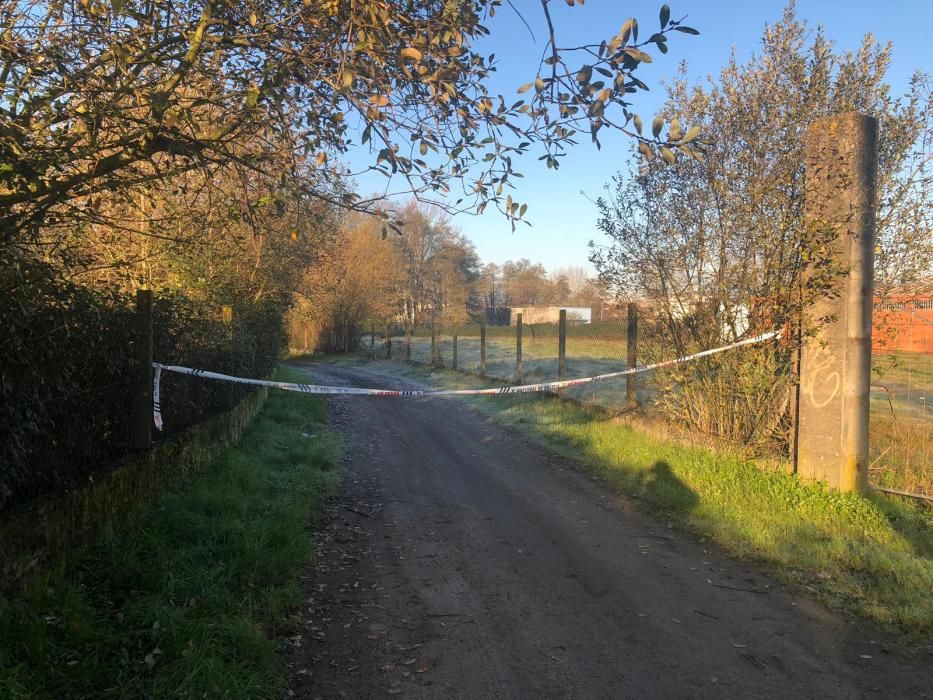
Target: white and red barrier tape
<point>357,391</point>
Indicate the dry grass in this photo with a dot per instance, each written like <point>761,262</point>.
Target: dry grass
<point>902,422</point>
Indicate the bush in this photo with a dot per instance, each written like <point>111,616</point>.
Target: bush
<point>741,396</point>
<point>65,381</point>
<point>67,371</point>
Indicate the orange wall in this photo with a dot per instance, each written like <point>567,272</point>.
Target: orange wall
<point>907,330</point>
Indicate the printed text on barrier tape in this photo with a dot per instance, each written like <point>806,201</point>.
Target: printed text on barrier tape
<point>358,391</point>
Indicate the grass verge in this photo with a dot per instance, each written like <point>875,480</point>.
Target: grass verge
<point>190,599</point>
<point>871,555</point>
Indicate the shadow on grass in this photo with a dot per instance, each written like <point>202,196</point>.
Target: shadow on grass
<point>662,487</point>
<point>913,522</point>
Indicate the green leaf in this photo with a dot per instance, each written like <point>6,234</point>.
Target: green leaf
<point>668,155</point>
<point>645,150</point>
<point>117,6</point>
<point>687,30</point>
<point>656,126</point>
<point>665,15</point>
<point>636,120</point>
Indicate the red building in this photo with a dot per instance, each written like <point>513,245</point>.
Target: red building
<point>903,319</point>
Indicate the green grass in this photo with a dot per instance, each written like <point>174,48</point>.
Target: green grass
<point>871,555</point>
<point>190,599</point>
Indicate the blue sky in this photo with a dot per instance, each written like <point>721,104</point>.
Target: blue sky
<point>563,220</point>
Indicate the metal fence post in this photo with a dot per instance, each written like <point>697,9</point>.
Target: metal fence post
<point>482,348</point>
<point>434,352</point>
<point>518,348</point>
<point>372,340</point>
<point>455,349</point>
<point>142,395</point>
<point>631,381</point>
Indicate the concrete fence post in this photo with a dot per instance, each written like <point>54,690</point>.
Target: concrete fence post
<point>482,348</point>
<point>142,393</point>
<point>518,348</point>
<point>835,366</point>
<point>631,381</point>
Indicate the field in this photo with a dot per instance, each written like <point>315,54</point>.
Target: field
<point>901,394</point>
<point>588,353</point>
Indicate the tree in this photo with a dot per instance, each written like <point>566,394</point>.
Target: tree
<point>719,246</point>
<point>525,283</point>
<point>101,97</point>
<point>726,233</point>
<point>439,266</point>
<point>576,276</point>
<point>211,236</point>
<point>351,288</point>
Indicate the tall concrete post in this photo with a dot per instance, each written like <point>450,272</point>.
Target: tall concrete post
<point>835,365</point>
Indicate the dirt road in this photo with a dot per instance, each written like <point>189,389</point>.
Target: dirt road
<point>464,561</point>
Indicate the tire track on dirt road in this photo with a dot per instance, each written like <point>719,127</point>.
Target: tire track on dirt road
<point>464,561</point>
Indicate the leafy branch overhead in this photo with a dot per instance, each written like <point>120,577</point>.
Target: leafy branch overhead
<point>102,97</point>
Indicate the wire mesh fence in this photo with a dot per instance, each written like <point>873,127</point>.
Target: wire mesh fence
<point>529,356</point>
<point>901,438</point>
<point>744,396</point>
